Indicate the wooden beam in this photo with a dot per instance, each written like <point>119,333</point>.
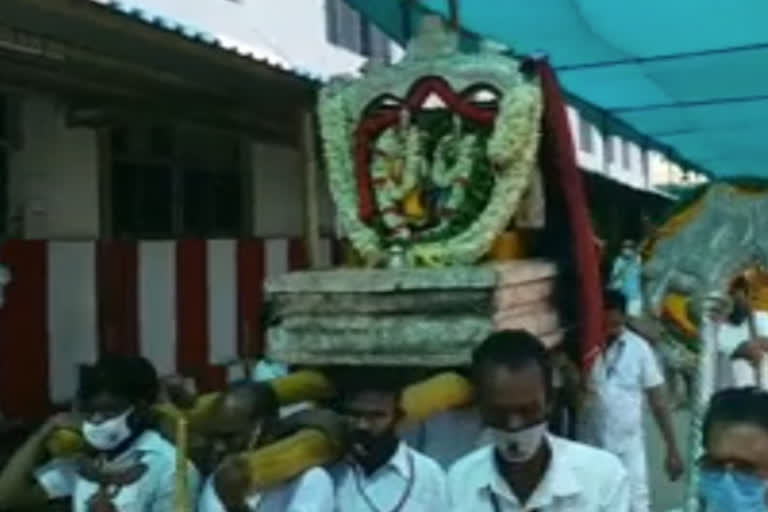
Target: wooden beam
<point>311,187</point>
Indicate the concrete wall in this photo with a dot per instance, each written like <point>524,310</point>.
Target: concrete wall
<point>54,176</point>
<point>54,181</point>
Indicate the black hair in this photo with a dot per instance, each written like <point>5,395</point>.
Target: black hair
<point>353,381</point>
<point>736,405</point>
<point>740,284</point>
<point>514,350</point>
<point>259,397</point>
<point>614,300</point>
<point>133,379</point>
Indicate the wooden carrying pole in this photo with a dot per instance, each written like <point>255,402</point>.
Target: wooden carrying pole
<point>182,497</point>
<point>311,188</point>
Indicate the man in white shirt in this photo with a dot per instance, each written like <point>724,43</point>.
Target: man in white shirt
<point>742,341</point>
<point>624,376</point>
<point>525,468</point>
<point>382,473</point>
<point>130,468</point>
<point>245,418</point>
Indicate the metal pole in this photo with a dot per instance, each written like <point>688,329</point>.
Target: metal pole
<point>705,386</point>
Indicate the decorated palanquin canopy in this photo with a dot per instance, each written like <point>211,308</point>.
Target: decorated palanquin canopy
<point>698,243</point>
<point>428,159</point>
<point>430,162</point>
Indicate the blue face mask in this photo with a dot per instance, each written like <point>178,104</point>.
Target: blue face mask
<point>728,491</point>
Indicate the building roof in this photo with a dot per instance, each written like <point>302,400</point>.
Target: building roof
<point>260,55</point>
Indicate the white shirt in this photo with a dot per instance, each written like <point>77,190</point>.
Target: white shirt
<point>620,378</point>
<point>153,492</point>
<point>448,436</point>
<point>730,337</point>
<point>738,372</point>
<point>409,477</point>
<point>310,492</point>
<point>579,479</point>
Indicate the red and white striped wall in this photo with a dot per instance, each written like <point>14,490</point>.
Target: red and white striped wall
<point>187,305</point>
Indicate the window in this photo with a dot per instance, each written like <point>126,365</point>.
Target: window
<point>169,182</point>
<point>585,136</point>
<point>626,160</point>
<point>609,148</point>
<point>347,28</point>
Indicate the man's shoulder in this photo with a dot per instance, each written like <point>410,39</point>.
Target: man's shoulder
<point>424,464</point>
<point>314,477</point>
<point>590,461</point>
<point>470,463</point>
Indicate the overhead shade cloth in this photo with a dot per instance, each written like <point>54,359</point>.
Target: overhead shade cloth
<point>685,77</point>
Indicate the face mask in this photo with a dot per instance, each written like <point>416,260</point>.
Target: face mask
<point>726,491</point>
<point>520,445</point>
<point>108,434</point>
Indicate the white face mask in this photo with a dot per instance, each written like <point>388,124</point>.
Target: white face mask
<point>519,445</point>
<point>108,434</point>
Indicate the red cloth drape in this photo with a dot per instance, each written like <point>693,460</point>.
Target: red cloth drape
<point>558,163</point>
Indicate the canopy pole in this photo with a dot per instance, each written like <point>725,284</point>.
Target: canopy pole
<point>705,385</point>
<point>453,9</point>
<point>406,7</point>
<point>659,58</point>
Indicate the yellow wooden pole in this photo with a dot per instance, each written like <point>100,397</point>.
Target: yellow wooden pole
<point>182,473</point>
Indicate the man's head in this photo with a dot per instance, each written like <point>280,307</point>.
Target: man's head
<point>734,469</point>
<point>739,293</point>
<point>628,247</point>
<point>114,396</point>
<point>735,432</point>
<point>240,419</point>
<point>614,306</point>
<point>513,377</point>
<point>369,401</point>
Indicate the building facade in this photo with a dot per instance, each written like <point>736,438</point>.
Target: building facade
<point>152,174</point>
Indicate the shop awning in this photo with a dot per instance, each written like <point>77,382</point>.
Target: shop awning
<point>686,77</point>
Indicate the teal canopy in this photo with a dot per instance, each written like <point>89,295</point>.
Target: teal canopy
<point>686,77</point>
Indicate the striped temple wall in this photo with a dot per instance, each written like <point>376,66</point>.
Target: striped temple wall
<point>187,305</point>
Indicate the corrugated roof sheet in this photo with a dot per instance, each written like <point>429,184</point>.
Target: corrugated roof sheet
<point>204,37</point>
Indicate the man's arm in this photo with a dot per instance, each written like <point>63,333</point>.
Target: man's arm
<point>658,404</point>
<point>18,487</point>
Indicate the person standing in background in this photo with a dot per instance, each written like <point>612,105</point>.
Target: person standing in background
<point>742,341</point>
<point>627,277</point>
<point>623,378</point>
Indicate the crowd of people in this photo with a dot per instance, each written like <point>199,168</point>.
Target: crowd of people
<point>499,454</point>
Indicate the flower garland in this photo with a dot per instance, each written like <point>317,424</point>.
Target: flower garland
<point>511,150</point>
<point>336,134</point>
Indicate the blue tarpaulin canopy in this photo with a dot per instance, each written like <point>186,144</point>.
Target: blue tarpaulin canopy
<point>686,77</point>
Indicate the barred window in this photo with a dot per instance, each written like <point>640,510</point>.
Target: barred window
<point>169,182</point>
<point>348,29</point>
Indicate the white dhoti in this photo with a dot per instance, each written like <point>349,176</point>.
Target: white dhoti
<point>632,455</point>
